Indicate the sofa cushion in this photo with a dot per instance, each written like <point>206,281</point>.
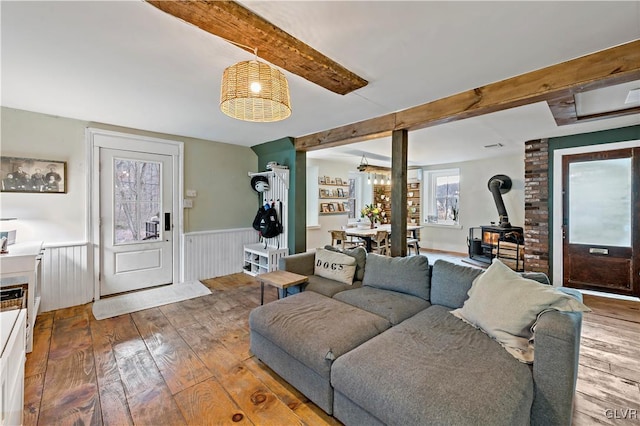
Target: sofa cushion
<point>506,306</point>
<point>328,287</point>
<point>409,275</point>
<point>299,263</point>
<point>391,305</point>
<point>450,283</point>
<point>336,266</point>
<point>358,253</point>
<point>435,369</point>
<point>315,329</point>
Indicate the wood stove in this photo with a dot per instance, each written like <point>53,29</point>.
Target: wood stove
<point>484,247</point>
<point>503,241</point>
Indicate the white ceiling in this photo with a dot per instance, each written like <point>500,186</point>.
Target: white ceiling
<point>129,64</point>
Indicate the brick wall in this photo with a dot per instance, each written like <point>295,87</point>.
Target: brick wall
<point>536,206</point>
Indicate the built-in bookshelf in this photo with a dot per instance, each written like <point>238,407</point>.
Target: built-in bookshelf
<point>413,203</point>
<point>333,196</point>
<point>382,199</point>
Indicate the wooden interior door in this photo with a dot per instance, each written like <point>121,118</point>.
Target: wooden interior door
<point>600,221</point>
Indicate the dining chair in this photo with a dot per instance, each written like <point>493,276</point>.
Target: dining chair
<point>412,242</point>
<point>344,241</point>
<point>380,243</point>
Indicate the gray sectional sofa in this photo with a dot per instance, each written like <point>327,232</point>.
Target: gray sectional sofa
<point>388,350</point>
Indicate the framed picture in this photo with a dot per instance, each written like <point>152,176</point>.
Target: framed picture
<point>340,207</point>
<point>321,180</point>
<point>327,180</point>
<point>340,192</point>
<point>33,175</point>
<point>323,193</point>
<point>324,207</point>
<point>332,207</point>
<point>345,206</point>
<point>338,181</point>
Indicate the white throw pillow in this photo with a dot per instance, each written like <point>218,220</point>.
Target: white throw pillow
<point>336,266</point>
<point>507,306</point>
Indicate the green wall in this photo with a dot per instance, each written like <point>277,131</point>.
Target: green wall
<point>585,139</point>
<point>283,152</point>
<point>217,171</point>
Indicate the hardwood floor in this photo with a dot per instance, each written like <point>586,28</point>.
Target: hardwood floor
<point>608,387</point>
<point>189,363</point>
<point>184,363</point>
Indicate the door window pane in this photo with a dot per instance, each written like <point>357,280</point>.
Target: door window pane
<point>137,189</point>
<point>600,202</point>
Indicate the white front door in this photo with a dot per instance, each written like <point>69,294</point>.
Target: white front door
<point>136,220</point>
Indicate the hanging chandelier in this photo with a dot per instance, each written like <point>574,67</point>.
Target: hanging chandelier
<point>363,164</point>
<point>255,91</point>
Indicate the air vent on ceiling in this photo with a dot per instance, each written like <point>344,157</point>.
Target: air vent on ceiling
<point>494,145</point>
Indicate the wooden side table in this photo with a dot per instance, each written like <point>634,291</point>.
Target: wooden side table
<point>279,279</point>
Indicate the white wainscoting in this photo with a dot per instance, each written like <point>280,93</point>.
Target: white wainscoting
<point>67,277</point>
<point>210,254</point>
<point>67,268</point>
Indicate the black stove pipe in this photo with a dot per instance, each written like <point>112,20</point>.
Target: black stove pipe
<point>498,185</point>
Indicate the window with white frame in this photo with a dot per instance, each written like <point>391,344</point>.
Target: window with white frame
<point>442,195</point>
<point>360,194</point>
<point>312,198</point>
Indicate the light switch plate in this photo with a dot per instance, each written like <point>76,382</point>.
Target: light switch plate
<point>187,203</point>
<point>192,193</point>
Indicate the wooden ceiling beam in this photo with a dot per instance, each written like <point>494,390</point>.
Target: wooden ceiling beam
<point>374,128</point>
<point>564,109</point>
<point>235,23</point>
<point>608,67</point>
<point>374,169</point>
<point>564,112</point>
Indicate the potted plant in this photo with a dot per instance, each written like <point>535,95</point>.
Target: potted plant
<point>372,212</point>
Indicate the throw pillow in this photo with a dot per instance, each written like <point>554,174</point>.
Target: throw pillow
<point>506,306</point>
<point>336,266</point>
<point>359,253</point>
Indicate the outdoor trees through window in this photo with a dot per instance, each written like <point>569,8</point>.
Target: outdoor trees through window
<point>137,200</point>
<point>443,197</point>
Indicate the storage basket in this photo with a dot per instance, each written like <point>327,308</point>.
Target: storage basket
<point>12,298</point>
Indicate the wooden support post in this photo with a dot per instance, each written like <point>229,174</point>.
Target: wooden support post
<point>399,149</point>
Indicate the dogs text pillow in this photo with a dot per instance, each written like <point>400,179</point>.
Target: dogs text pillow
<point>336,266</point>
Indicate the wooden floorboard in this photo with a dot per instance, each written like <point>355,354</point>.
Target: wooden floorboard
<point>178,364</point>
<point>189,363</point>
<point>608,386</point>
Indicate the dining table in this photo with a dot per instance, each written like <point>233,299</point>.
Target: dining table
<point>367,234</point>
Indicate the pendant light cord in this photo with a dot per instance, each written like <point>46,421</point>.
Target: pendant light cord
<point>254,49</point>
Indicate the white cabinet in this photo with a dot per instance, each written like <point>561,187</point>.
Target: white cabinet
<point>258,259</point>
<point>12,341</point>
<point>24,260</point>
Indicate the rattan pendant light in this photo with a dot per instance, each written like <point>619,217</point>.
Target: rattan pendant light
<point>255,91</point>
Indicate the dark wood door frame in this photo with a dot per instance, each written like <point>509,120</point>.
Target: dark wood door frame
<point>582,263</point>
